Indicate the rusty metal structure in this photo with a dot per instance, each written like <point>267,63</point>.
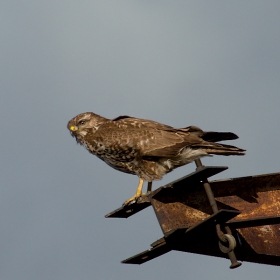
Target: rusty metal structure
<point>237,218</point>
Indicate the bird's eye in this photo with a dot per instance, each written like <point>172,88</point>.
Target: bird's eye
<point>81,122</point>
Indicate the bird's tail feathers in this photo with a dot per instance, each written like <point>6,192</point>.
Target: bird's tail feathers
<point>210,136</point>
<point>219,149</point>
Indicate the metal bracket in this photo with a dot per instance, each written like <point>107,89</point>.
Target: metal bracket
<point>191,222</point>
<point>223,238</point>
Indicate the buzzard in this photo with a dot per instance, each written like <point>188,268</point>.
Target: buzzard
<point>146,148</point>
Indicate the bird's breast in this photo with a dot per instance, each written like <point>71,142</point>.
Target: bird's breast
<point>111,152</point>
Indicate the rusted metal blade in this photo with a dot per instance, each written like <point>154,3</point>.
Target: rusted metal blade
<point>144,202</point>
<point>187,221</point>
<point>131,209</point>
<point>208,224</point>
<point>156,251</point>
<point>255,222</point>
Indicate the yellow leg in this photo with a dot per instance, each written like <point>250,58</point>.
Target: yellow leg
<point>138,192</point>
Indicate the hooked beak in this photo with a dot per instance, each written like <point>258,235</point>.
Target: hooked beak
<point>73,128</point>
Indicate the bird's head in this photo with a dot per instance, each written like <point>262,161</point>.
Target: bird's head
<point>84,123</point>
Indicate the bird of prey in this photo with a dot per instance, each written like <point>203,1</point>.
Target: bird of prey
<point>146,148</point>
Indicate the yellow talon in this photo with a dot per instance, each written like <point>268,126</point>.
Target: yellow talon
<point>138,193</point>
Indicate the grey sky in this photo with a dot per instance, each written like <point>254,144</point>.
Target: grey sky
<point>214,64</point>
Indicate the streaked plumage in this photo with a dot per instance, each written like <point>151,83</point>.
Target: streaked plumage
<point>146,148</point>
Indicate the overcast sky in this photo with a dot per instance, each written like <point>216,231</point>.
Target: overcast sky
<point>213,64</point>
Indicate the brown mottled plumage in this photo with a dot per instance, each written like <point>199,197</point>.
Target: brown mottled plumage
<point>146,148</point>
